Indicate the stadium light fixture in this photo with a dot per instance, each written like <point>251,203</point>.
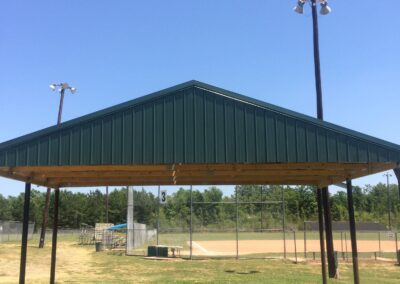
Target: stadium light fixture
<point>62,87</point>
<point>299,7</point>
<point>325,9</point>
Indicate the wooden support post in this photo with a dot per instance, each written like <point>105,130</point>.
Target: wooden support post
<point>321,234</point>
<point>45,218</point>
<point>25,227</point>
<point>352,230</point>
<point>54,241</point>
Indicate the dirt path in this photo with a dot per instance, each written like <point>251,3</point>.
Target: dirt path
<point>214,248</point>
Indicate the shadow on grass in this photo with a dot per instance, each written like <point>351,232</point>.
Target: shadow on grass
<point>242,272</point>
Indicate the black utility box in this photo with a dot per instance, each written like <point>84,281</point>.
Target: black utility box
<point>157,251</point>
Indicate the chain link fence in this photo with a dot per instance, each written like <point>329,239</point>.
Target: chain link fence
<point>12,231</point>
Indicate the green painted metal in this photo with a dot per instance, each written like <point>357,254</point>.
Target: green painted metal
<point>195,123</point>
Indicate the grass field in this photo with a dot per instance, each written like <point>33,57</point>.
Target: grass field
<point>81,264</point>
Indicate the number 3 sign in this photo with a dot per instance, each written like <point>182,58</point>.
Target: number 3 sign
<point>163,196</point>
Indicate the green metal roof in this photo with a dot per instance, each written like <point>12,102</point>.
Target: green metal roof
<point>194,123</point>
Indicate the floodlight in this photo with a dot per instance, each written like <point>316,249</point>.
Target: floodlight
<point>73,90</point>
<point>65,85</point>
<point>325,9</point>
<point>53,87</point>
<point>299,7</point>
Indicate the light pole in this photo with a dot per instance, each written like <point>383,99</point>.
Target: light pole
<point>322,193</point>
<point>387,175</point>
<point>62,88</point>
<point>325,9</point>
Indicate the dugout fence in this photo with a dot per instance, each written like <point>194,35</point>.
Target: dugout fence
<point>374,241</point>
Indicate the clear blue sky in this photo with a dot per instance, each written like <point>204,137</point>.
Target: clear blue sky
<point>114,51</point>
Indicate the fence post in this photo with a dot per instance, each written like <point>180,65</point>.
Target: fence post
<point>321,234</point>
<point>305,241</point>
<point>191,221</point>
<point>379,243</point>
<point>237,225</point>
<point>397,249</point>
<point>295,246</point>
<point>158,213</point>
<point>341,243</point>
<point>283,223</point>
<point>262,207</point>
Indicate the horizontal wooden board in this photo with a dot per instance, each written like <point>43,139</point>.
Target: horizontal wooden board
<point>317,174</point>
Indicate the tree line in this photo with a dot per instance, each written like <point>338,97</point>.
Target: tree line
<point>260,207</point>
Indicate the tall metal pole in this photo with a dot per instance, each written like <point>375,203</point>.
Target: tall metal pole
<point>54,241</point>
<point>353,236</point>
<point>191,222</point>
<point>60,108</point>
<point>320,115</point>
<point>283,222</point>
<point>48,193</point>
<point>321,234</point>
<point>158,213</point>
<point>25,228</point>
<point>317,65</point>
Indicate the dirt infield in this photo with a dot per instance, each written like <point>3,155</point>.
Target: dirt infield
<point>221,248</point>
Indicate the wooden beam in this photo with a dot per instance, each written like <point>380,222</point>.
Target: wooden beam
<point>321,174</point>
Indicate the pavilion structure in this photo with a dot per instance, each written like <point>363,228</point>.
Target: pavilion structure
<point>193,134</point>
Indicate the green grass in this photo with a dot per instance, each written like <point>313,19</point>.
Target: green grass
<point>233,271</point>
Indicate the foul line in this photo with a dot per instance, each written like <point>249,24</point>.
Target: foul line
<point>200,247</point>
